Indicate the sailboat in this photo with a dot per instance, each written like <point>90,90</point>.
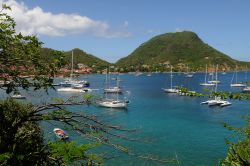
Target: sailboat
<point>217,100</point>
<point>171,89</point>
<point>17,95</point>
<point>189,75</point>
<point>246,89</point>
<point>112,103</point>
<point>71,85</point>
<point>115,89</point>
<point>213,81</point>
<point>205,81</point>
<point>236,84</point>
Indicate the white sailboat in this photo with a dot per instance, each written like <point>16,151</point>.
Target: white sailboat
<point>189,75</point>
<point>17,96</point>
<point>71,85</point>
<point>115,89</point>
<point>217,101</point>
<point>246,89</point>
<point>205,81</point>
<point>171,89</point>
<point>213,81</point>
<point>235,77</point>
<point>74,89</point>
<point>112,103</point>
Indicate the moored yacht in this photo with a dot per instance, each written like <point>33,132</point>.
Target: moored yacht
<point>217,101</point>
<point>115,89</point>
<point>235,77</point>
<point>110,103</point>
<point>110,89</point>
<point>246,89</point>
<point>207,83</point>
<point>171,89</point>
<point>72,89</point>
<point>72,82</point>
<point>18,96</point>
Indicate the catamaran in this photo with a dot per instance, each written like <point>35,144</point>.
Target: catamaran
<point>205,81</point>
<point>236,84</point>
<point>171,89</point>
<point>217,101</point>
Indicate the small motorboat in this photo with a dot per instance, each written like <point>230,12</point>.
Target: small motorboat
<point>246,89</point>
<point>18,96</point>
<point>60,133</point>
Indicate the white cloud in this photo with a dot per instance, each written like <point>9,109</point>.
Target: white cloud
<point>38,22</point>
<point>125,24</point>
<point>182,29</point>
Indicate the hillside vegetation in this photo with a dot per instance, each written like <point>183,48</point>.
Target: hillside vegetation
<point>180,49</point>
<point>79,57</point>
<point>87,59</point>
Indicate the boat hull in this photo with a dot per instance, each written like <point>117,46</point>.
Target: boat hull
<point>60,133</point>
<point>113,90</point>
<point>113,104</point>
<point>171,90</point>
<point>237,85</point>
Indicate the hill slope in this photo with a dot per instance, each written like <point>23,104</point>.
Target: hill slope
<point>178,49</point>
<point>79,57</point>
<point>87,59</point>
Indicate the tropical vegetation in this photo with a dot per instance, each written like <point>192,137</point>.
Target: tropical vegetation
<point>179,49</point>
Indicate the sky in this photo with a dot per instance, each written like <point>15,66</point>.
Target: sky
<point>112,29</point>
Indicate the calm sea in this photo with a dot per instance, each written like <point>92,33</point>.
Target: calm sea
<point>174,125</point>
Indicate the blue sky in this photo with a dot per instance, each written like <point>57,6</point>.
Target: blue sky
<point>112,29</point>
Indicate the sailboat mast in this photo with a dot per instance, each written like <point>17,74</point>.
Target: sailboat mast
<point>171,77</point>
<point>106,83</point>
<point>236,77</point>
<point>206,75</point>
<point>216,77</point>
<point>118,85</point>
<point>246,74</point>
<point>72,58</point>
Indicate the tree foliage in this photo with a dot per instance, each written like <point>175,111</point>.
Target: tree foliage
<point>21,140</point>
<point>239,151</point>
<point>20,56</point>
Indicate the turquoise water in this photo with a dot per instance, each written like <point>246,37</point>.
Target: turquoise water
<point>175,125</point>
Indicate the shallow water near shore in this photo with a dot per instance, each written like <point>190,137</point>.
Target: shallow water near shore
<point>175,125</point>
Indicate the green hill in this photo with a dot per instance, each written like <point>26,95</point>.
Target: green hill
<point>178,49</point>
<point>79,57</point>
<point>87,59</point>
